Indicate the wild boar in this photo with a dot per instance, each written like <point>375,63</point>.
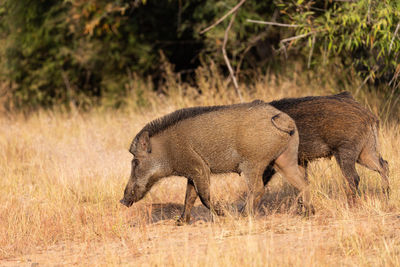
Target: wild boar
<point>195,142</point>
<point>338,126</point>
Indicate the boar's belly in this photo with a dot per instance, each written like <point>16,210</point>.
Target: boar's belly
<point>310,149</point>
<point>223,161</point>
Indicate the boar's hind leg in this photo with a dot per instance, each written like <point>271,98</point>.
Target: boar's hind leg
<point>255,187</point>
<point>287,165</point>
<point>190,199</point>
<point>370,158</point>
<point>270,171</point>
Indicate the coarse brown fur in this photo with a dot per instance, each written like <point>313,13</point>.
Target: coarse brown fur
<point>195,142</point>
<point>160,124</point>
<point>338,126</point>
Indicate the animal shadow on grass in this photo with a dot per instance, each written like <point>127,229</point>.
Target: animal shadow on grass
<point>274,201</point>
<point>172,211</point>
<point>284,200</point>
<point>281,201</point>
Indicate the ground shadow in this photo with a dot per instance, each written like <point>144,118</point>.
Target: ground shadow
<point>172,211</point>
<point>274,201</point>
<point>283,201</point>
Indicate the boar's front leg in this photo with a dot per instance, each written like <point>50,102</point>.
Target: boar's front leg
<point>201,181</point>
<point>190,199</point>
<point>198,174</point>
<point>346,158</point>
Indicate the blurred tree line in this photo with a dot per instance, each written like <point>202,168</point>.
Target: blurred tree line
<point>58,51</point>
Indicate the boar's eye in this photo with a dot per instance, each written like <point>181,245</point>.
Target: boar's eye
<point>135,162</point>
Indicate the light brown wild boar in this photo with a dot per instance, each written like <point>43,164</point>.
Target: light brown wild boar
<point>338,126</point>
<point>195,142</point>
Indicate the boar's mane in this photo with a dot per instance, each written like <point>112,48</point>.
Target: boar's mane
<point>161,124</point>
<point>343,96</point>
<point>290,105</point>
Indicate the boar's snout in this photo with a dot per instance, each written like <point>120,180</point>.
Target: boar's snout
<point>129,197</point>
<point>125,202</point>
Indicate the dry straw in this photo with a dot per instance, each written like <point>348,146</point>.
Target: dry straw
<point>62,176</point>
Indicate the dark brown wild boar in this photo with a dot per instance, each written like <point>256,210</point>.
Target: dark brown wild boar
<point>338,126</point>
<point>195,142</point>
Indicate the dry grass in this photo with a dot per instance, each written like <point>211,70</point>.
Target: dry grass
<point>62,176</point>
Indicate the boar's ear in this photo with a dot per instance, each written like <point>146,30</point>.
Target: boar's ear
<point>144,142</point>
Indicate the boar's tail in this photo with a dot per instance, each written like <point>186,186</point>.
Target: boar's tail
<point>284,123</point>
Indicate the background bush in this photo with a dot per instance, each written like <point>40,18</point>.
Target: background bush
<point>63,51</point>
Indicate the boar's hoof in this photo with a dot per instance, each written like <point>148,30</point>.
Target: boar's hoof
<point>309,211</point>
<point>243,211</point>
<point>306,210</point>
<point>218,209</point>
<point>181,222</point>
<point>219,212</point>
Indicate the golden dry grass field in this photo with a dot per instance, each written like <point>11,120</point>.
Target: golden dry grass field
<point>62,175</point>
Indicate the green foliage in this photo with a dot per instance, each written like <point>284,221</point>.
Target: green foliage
<point>30,56</point>
<point>82,51</point>
<point>361,33</point>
